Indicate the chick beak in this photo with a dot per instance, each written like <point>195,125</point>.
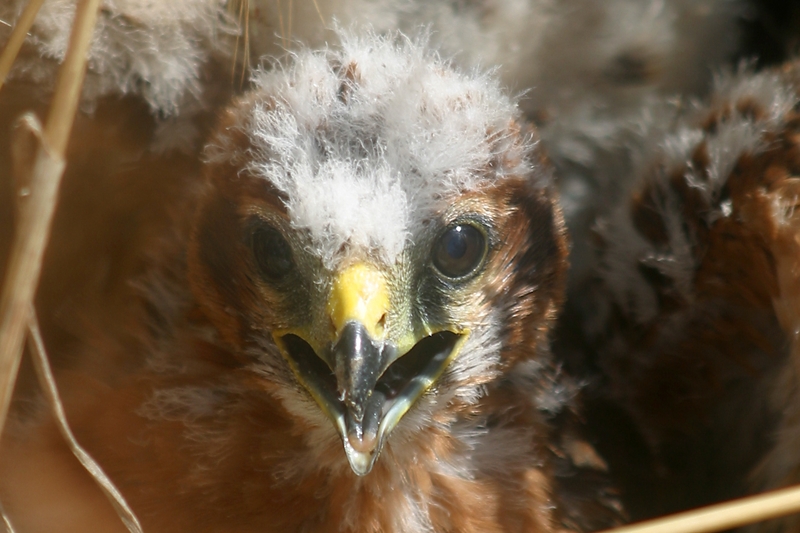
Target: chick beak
<point>357,307</point>
<point>364,379</point>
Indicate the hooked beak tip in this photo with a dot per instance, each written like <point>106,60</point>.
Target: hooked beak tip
<point>362,456</point>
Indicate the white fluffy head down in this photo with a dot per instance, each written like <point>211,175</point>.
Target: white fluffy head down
<point>368,140</point>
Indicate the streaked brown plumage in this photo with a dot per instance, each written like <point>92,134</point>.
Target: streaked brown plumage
<point>690,319</point>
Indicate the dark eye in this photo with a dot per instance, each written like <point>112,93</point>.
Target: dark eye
<point>272,253</point>
<point>459,251</point>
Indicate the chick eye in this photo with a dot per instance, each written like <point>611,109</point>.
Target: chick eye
<point>459,251</point>
<point>272,253</point>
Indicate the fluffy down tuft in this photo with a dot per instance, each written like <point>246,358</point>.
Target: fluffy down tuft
<point>151,48</point>
<point>687,313</point>
<point>368,140</point>
<point>744,106</point>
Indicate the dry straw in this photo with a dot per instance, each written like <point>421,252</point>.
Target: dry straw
<point>18,35</point>
<point>41,155</point>
<point>38,195</point>
<point>723,516</point>
<point>48,384</point>
<point>5,522</point>
<point>38,205</point>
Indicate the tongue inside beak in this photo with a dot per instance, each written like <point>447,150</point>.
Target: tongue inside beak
<point>365,387</point>
<point>361,446</point>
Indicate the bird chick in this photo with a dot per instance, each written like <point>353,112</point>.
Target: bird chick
<point>351,332</point>
<point>691,317</point>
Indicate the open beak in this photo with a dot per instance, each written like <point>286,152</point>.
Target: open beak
<point>365,379</point>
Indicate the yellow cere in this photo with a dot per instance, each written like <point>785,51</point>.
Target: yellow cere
<point>359,294</point>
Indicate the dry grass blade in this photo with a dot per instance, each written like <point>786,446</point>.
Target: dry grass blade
<point>236,45</point>
<point>33,229</point>
<point>319,12</point>
<point>243,19</point>
<point>18,35</point>
<point>284,42</point>
<point>48,384</point>
<point>22,276</point>
<point>723,516</point>
<point>291,17</point>
<point>4,521</point>
<point>70,78</point>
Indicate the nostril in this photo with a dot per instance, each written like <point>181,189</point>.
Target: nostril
<point>382,322</point>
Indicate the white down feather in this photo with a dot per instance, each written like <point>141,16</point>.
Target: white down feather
<point>369,139</point>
